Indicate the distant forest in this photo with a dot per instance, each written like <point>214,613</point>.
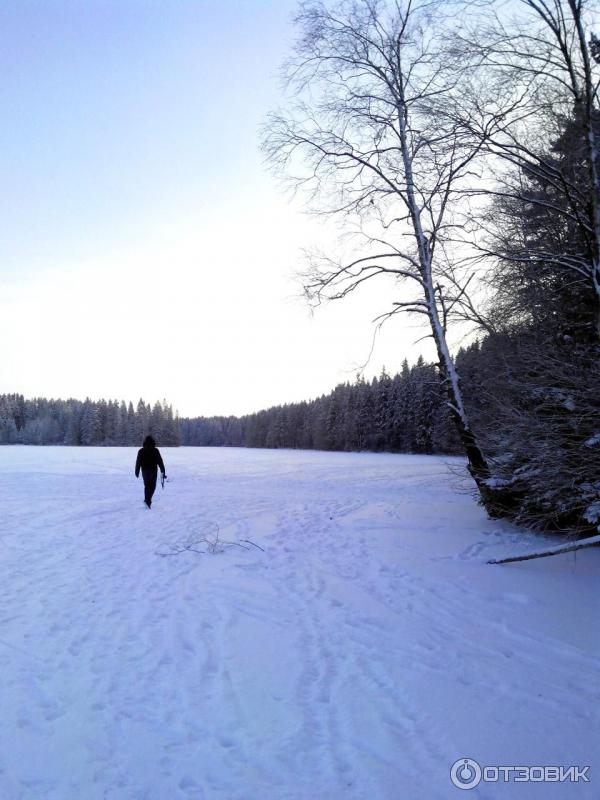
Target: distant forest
<point>406,413</point>
<point>403,413</point>
<point>89,422</point>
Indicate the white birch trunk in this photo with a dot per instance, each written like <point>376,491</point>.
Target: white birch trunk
<point>478,466</point>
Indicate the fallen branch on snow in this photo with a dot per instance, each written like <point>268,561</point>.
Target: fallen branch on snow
<point>551,551</point>
<point>252,543</point>
<point>212,546</point>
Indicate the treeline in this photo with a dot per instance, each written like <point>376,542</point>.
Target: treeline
<point>406,413</point>
<point>89,422</point>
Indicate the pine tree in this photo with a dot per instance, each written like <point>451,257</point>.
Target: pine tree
<point>91,424</point>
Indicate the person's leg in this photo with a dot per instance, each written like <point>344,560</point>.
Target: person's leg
<point>152,485</point>
<point>149,485</point>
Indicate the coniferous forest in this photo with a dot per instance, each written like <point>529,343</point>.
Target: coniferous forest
<point>405,413</point>
<point>89,422</point>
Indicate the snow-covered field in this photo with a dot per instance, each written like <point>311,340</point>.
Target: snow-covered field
<point>357,658</point>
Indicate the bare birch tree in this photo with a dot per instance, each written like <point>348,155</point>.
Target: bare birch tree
<point>363,133</point>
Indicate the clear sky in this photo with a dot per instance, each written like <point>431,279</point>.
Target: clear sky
<point>144,248</point>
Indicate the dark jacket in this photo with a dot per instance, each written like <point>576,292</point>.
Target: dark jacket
<point>149,460</point>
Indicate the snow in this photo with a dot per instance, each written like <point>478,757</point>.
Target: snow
<point>359,656</point>
<point>592,512</point>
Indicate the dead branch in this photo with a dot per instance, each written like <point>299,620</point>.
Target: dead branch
<point>580,544</point>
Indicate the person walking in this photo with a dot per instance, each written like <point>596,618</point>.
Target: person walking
<point>149,460</point>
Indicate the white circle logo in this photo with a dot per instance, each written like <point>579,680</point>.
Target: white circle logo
<point>465,773</point>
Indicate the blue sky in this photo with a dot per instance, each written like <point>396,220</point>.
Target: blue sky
<point>110,111</point>
<point>144,248</point>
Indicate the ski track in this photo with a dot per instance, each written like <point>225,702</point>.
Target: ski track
<point>358,657</point>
